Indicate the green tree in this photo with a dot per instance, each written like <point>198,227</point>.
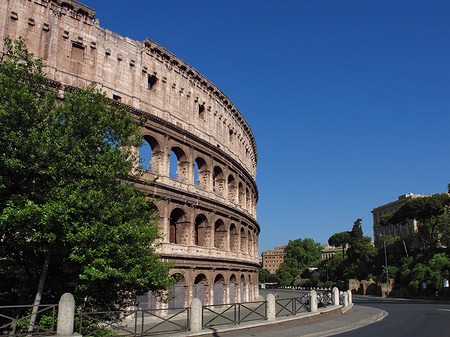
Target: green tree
<point>264,275</point>
<point>341,239</point>
<point>68,207</point>
<point>303,253</point>
<point>432,214</point>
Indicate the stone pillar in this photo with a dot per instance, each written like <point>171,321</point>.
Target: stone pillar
<point>313,300</point>
<point>271,311</point>
<point>196,315</point>
<point>345,298</point>
<point>335,296</point>
<point>66,315</point>
<point>350,297</point>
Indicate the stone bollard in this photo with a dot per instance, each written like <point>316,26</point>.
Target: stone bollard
<point>196,315</point>
<point>66,315</point>
<point>271,311</point>
<point>313,296</point>
<point>350,297</point>
<point>335,296</point>
<point>345,298</point>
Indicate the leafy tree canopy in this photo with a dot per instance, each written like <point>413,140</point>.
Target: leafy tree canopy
<point>303,253</point>
<point>66,197</point>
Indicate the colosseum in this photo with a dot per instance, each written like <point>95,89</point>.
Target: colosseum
<point>196,142</point>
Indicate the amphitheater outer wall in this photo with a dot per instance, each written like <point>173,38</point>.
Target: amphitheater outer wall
<point>207,209</point>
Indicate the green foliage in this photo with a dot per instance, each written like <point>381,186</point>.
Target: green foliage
<point>264,275</point>
<point>340,240</point>
<point>303,253</point>
<point>66,192</point>
<point>432,214</point>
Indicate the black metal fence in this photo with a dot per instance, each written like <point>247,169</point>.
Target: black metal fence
<point>292,306</point>
<point>234,313</point>
<point>15,320</point>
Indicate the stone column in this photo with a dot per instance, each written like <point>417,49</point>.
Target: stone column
<point>313,300</point>
<point>66,315</point>
<point>350,297</point>
<point>335,296</point>
<point>345,298</point>
<point>196,315</point>
<point>271,311</point>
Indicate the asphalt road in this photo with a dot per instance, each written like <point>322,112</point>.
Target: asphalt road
<point>412,318</point>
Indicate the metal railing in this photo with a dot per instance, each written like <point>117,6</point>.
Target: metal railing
<point>15,320</point>
<point>132,323</point>
<point>234,313</point>
<point>292,306</point>
<point>324,299</point>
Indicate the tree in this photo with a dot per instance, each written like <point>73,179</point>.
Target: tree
<point>303,253</point>
<point>70,216</point>
<point>341,239</point>
<point>264,275</point>
<point>431,212</point>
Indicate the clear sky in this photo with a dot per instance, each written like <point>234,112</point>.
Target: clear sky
<point>349,101</point>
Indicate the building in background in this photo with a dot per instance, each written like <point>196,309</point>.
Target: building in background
<point>407,230</point>
<point>329,251</point>
<point>271,259</point>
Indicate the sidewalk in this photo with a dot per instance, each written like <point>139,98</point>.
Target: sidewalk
<point>329,322</point>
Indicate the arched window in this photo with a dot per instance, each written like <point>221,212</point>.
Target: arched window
<point>231,189</point>
<point>150,154</point>
<point>241,195</point>
<point>178,164</point>
<point>178,223</point>
<point>234,238</point>
<point>201,231</point>
<point>220,235</point>
<point>218,180</point>
<point>201,173</point>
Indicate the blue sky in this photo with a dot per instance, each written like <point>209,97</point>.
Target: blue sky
<point>349,101</point>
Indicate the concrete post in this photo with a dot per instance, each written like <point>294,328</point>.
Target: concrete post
<point>335,296</point>
<point>271,311</point>
<point>350,297</point>
<point>196,315</point>
<point>345,298</point>
<point>313,295</point>
<point>66,315</point>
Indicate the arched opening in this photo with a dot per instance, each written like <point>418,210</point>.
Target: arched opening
<point>232,289</point>
<point>218,289</point>
<point>178,164</point>
<point>201,231</point>
<point>178,227</point>
<point>250,242</point>
<point>218,180</point>
<point>201,173</point>
<point>247,199</point>
<point>243,241</point>
<point>150,155</point>
<point>220,235</point>
<point>241,195</point>
<point>242,289</point>
<point>200,288</point>
<point>234,238</point>
<point>231,189</point>
<point>177,293</point>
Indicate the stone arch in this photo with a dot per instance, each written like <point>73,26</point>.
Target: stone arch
<point>233,289</point>
<point>250,242</point>
<point>150,154</point>
<point>234,238</point>
<point>201,231</point>
<point>219,289</point>
<point>178,169</point>
<point>218,180</point>
<point>241,195</point>
<point>231,189</point>
<point>243,248</point>
<point>247,199</point>
<point>220,235</point>
<point>177,293</point>
<point>201,289</point>
<point>201,173</point>
<point>178,227</point>
<point>242,289</point>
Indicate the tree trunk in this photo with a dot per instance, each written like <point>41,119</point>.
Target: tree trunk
<point>37,300</point>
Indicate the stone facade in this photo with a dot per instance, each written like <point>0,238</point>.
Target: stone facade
<point>202,151</point>
<point>271,259</point>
